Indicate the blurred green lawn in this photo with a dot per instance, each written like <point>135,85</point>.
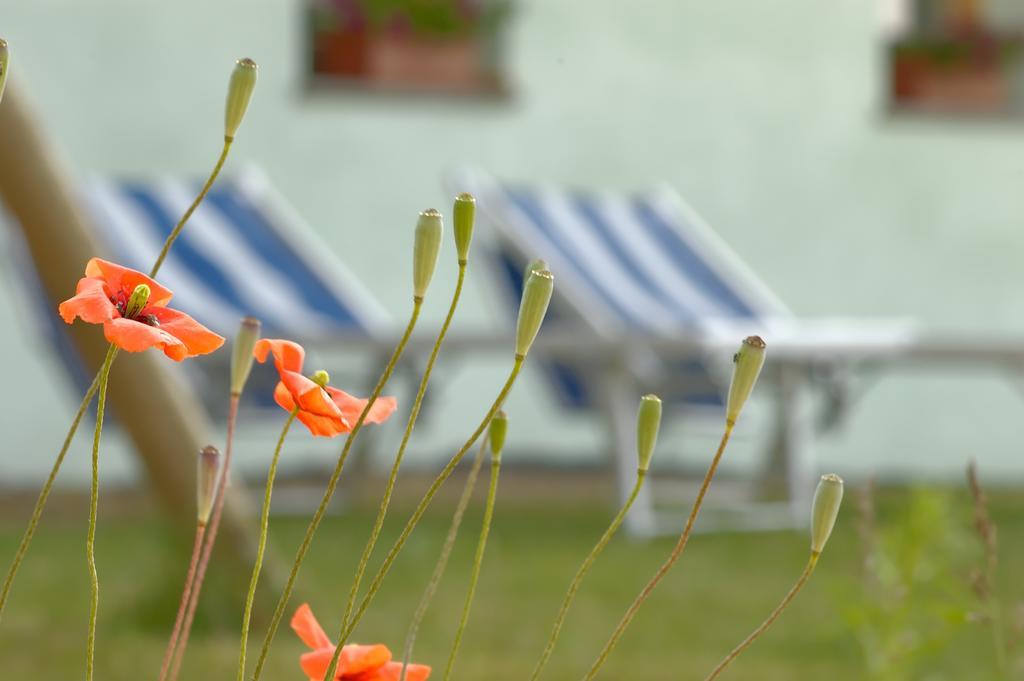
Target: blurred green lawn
<point>722,588</point>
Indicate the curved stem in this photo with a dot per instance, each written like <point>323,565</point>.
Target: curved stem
<point>262,545</point>
<point>211,539</point>
<point>44,494</point>
<point>581,573</point>
<point>396,548</point>
<point>94,497</point>
<point>410,424</point>
<point>332,484</point>
<point>478,560</point>
<point>186,591</point>
<point>191,209</point>
<point>677,551</point>
<point>442,560</point>
<point>768,622</point>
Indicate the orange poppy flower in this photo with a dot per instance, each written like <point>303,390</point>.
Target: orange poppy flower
<point>356,662</point>
<point>102,296</point>
<point>326,411</point>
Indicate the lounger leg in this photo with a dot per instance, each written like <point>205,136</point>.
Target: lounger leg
<point>620,414</point>
<point>789,462</point>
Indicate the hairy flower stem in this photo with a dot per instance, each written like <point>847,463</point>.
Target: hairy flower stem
<point>186,591</point>
<point>811,563</point>
<point>211,539</point>
<point>332,484</point>
<point>478,560</point>
<point>582,572</point>
<point>262,545</point>
<point>677,551</point>
<point>410,424</point>
<point>421,508</point>
<point>44,493</point>
<point>442,560</point>
<point>191,209</point>
<point>94,498</point>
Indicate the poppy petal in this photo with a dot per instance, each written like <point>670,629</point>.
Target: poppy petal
<point>198,339</point>
<point>288,356</point>
<point>351,407</point>
<point>318,424</point>
<point>120,278</point>
<point>355,660</point>
<point>91,302</point>
<point>134,336</point>
<point>309,395</point>
<point>392,671</point>
<point>308,629</point>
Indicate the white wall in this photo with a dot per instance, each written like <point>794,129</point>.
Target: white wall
<point>765,115</point>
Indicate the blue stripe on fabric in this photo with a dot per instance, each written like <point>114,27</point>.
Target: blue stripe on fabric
<point>688,261</point>
<point>585,205</point>
<point>204,269</point>
<point>533,210</point>
<point>252,226</point>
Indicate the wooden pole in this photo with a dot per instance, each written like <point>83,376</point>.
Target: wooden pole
<point>166,427</point>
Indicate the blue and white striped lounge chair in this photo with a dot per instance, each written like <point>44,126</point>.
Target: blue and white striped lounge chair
<point>244,252</point>
<point>644,275</point>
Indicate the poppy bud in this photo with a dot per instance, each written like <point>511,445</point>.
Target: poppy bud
<point>241,353</point>
<point>538,265</point>
<point>827,498</point>
<point>425,251</point>
<point>463,216</point>
<point>140,296</point>
<point>207,482</point>
<point>748,362</point>
<point>5,59</point>
<point>648,421</point>
<point>534,305</point>
<point>496,434</point>
<point>321,378</point>
<point>243,81</point>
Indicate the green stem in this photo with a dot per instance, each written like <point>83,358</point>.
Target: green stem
<point>44,494</point>
<point>442,560</point>
<point>211,538</point>
<point>410,424</point>
<point>581,573</point>
<point>191,209</point>
<point>186,592</point>
<point>94,497</point>
<point>478,560</point>
<point>262,545</point>
<point>421,508</point>
<point>811,563</point>
<point>677,551</point>
<point>332,484</point>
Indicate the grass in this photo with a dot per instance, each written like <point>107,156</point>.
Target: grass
<point>721,589</point>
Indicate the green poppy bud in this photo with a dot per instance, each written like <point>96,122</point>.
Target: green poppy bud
<point>748,362</point>
<point>5,60</point>
<point>429,229</point>
<point>243,82</point>
<point>648,421</point>
<point>241,353</point>
<point>137,302</point>
<point>534,305</point>
<point>827,499</point>
<point>321,378</point>
<point>463,217</point>
<point>537,265</point>
<point>496,434</point>
<point>207,481</point>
